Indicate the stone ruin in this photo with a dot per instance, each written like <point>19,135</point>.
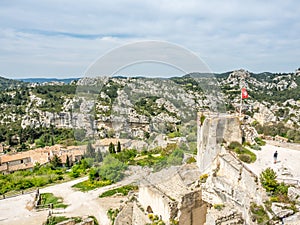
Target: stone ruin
<point>178,194</point>
<point>230,183</point>
<point>171,194</point>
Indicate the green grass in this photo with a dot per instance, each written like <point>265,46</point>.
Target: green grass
<point>24,180</point>
<point>49,198</point>
<point>91,185</point>
<point>124,190</point>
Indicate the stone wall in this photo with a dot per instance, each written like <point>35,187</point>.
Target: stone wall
<point>192,209</point>
<point>160,203</point>
<point>213,131</point>
<point>230,182</point>
<point>139,216</point>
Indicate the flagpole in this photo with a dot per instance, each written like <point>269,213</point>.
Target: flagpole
<point>241,103</point>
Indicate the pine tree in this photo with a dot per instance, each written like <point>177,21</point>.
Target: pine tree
<point>99,157</point>
<point>111,148</point>
<point>90,151</point>
<point>68,164</point>
<point>119,147</point>
<point>55,161</point>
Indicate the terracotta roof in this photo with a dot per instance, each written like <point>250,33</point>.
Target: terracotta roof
<point>40,155</point>
<point>13,157</point>
<point>22,166</point>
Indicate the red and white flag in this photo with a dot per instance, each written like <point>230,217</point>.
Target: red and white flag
<point>244,93</point>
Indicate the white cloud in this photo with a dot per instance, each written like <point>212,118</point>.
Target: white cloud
<point>60,37</point>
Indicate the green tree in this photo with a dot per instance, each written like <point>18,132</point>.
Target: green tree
<point>112,169</point>
<point>94,174</point>
<point>268,180</point>
<point>111,148</point>
<point>55,161</point>
<point>111,133</point>
<point>175,157</point>
<point>119,147</point>
<point>90,151</point>
<point>68,163</point>
<point>99,157</point>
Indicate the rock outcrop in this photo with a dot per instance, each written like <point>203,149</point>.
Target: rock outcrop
<point>214,131</point>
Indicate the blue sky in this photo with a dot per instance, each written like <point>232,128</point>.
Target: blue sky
<point>61,38</point>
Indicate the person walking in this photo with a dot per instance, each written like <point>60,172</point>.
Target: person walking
<point>275,156</point>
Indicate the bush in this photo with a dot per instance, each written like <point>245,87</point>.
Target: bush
<point>244,154</point>
<point>268,180</point>
<point>233,145</point>
<point>260,141</point>
<point>124,190</point>
<point>255,147</point>
<point>176,157</point>
<point>49,198</point>
<point>245,158</point>
<point>259,214</point>
<point>91,185</point>
<point>203,178</point>
<point>219,206</point>
<point>112,169</point>
<point>174,134</point>
<point>191,160</point>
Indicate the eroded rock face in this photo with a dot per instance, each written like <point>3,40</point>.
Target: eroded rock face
<point>294,194</point>
<point>282,210</point>
<point>214,131</point>
<point>264,114</point>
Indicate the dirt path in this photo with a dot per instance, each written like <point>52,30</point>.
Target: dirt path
<point>288,161</point>
<point>13,210</point>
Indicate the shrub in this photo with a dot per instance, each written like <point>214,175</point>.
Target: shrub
<point>255,147</point>
<point>49,198</point>
<point>175,157</point>
<point>233,145</point>
<point>245,158</point>
<point>174,134</point>
<point>203,178</point>
<point>191,160</point>
<point>124,190</point>
<point>268,180</point>
<point>91,185</point>
<point>219,206</point>
<point>112,169</point>
<point>258,213</point>
<point>112,214</point>
<point>259,141</point>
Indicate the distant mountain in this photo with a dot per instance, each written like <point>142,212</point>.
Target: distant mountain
<point>7,83</point>
<point>43,80</point>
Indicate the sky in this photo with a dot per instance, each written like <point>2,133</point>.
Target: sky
<point>62,38</point>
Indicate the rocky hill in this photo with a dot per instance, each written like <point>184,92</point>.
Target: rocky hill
<point>8,83</point>
<point>142,108</point>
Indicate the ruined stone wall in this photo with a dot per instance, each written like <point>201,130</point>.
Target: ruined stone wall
<point>213,131</point>
<point>192,209</point>
<point>158,201</point>
<point>139,216</point>
<point>237,184</point>
<point>231,181</point>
